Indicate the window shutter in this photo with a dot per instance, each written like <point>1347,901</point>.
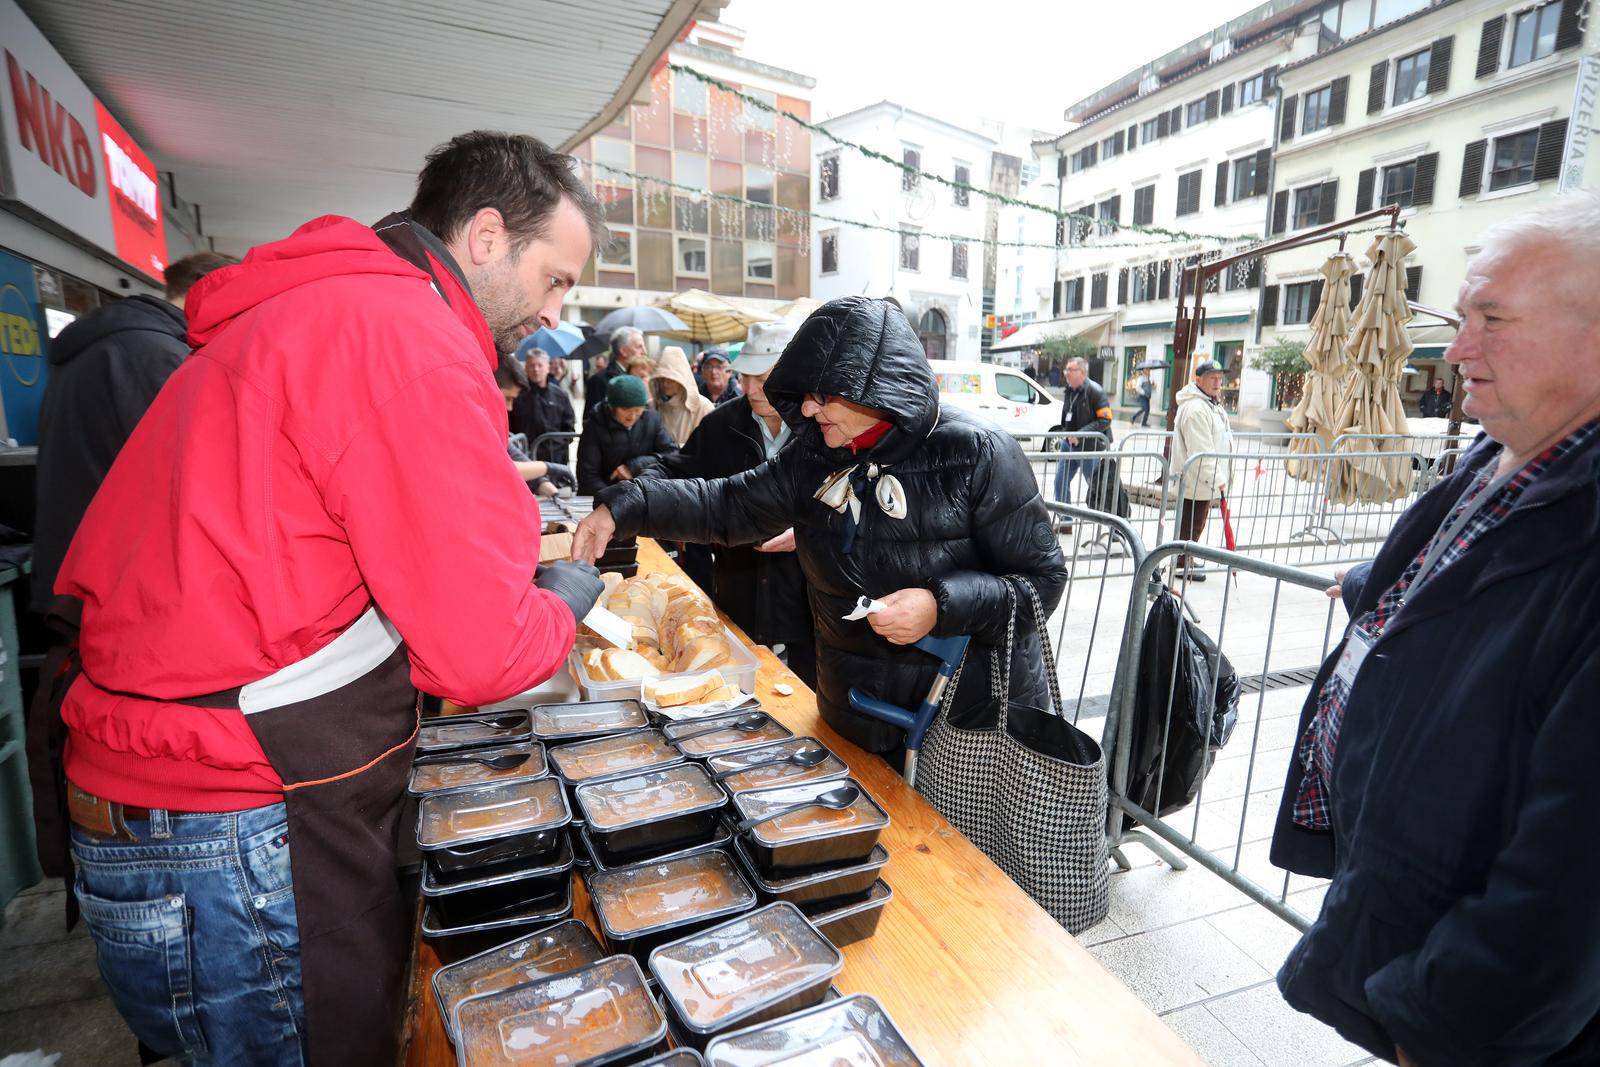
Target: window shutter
<point>1263,169</point>
<point>1280,211</point>
<point>1337,100</point>
<point>1377,84</point>
<point>1176,122</point>
<point>1162,121</point>
<point>1119,141</point>
<point>1122,286</point>
<point>1427,171</point>
<point>1365,184</point>
<point>1194,191</point>
<point>1183,194</point>
<point>1269,306</point>
<point>1328,210</point>
<point>1472,168</point>
<point>1164,290</point>
<point>1227,98</point>
<point>1269,80</point>
<point>1133,137</point>
<point>1316,294</point>
<point>1055,299</point>
<point>1547,158</point>
<point>1222,184</point>
<point>1116,209</point>
<point>1097,292</point>
<point>1213,103</point>
<point>1439,64</point>
<point>1489,46</point>
<point>1286,120</point>
<point>1413,283</point>
<point>1252,274</point>
<point>1569,31</point>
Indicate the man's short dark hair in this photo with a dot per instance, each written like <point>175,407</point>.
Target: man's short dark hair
<point>182,275</point>
<point>519,176</point>
<point>510,373</point>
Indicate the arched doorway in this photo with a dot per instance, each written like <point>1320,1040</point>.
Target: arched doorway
<point>933,330</point>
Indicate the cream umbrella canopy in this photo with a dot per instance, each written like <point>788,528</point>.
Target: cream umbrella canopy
<point>1376,353</point>
<point>712,319</point>
<point>1319,401</point>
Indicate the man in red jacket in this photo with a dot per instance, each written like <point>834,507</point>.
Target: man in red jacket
<point>316,517</point>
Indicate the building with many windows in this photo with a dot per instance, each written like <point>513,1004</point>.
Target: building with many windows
<point>667,238</point>
<point>1458,114</point>
<point>910,255</point>
<point>1023,252</point>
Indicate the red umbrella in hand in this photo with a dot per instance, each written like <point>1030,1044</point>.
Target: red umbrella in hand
<point>1227,530</point>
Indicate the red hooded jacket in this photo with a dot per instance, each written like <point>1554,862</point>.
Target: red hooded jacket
<point>335,440</point>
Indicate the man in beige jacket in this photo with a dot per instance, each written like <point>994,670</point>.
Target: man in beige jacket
<point>1201,427</point>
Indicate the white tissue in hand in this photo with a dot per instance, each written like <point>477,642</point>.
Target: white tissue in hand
<point>865,606</point>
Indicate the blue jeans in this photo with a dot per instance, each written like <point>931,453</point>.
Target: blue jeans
<point>1067,468</point>
<point>194,930</point>
<point>1142,416</point>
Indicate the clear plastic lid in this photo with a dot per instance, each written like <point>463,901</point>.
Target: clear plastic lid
<point>558,949</point>
<point>649,898</point>
<point>471,731</point>
<point>595,1015</point>
<point>607,757</point>
<point>807,823</point>
<point>707,744</point>
<point>639,799</point>
<point>488,813</point>
<point>853,1031</point>
<point>678,1057</point>
<point>460,770</point>
<point>769,775</point>
<point>436,884</point>
<point>718,976</point>
<point>876,860</point>
<point>556,722</point>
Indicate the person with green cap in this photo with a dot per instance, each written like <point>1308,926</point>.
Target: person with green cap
<point>624,429</point>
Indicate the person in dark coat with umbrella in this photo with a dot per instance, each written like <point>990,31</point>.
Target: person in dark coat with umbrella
<point>762,587</point>
<point>927,511</point>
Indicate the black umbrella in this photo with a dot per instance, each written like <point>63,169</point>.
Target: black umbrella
<point>594,343</point>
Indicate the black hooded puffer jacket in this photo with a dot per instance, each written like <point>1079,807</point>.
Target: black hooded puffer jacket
<point>974,515</point>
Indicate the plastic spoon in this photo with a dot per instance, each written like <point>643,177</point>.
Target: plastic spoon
<point>502,762</point>
<point>837,798</point>
<point>805,757</point>
<point>749,723</point>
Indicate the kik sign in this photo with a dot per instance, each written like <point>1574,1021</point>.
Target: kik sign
<point>66,156</point>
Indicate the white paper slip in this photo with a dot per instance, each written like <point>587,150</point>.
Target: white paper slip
<point>865,606</point>
<point>611,628</point>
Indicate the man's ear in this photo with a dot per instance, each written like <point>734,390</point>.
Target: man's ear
<point>487,240</point>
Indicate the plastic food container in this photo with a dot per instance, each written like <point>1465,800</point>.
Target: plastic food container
<point>776,774</point>
<point>757,967</point>
<point>816,888</point>
<point>576,722</point>
<point>489,892</point>
<point>655,811</point>
<point>741,673</point>
<point>845,924</point>
<point>492,824</point>
<point>721,836</point>
<point>445,733</point>
<point>730,740</point>
<point>536,913</point>
<point>678,1057</point>
<point>851,1030</point>
<point>641,906</point>
<point>612,757</point>
<point>564,947</point>
<point>465,773</point>
<point>596,1015</point>
<point>809,837</point>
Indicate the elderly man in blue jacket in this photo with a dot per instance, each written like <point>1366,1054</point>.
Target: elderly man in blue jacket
<point>1445,774</point>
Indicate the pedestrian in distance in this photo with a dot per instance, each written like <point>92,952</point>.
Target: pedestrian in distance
<point>716,377</point>
<point>1144,391</point>
<point>1201,427</point>
<point>627,345</point>
<point>544,478</point>
<point>1435,403</point>
<point>1085,408</point>
<point>543,407</point>
<point>1445,771</point>
<point>677,398</point>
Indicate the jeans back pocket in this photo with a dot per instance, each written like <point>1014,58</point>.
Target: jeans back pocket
<point>144,956</point>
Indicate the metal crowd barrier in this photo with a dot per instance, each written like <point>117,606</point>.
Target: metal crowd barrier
<point>569,438</point>
<point>1227,826</point>
<point>1095,478</point>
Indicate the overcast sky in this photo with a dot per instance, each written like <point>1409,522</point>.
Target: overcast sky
<point>1018,61</point>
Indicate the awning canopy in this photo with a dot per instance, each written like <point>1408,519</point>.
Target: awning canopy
<point>1438,334</point>
<point>268,115</point>
<point>1094,327</point>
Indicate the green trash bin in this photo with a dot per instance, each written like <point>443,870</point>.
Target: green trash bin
<point>19,858</point>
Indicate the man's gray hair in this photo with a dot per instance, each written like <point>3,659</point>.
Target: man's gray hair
<point>535,353</point>
<point>622,335</point>
<point>1079,362</point>
<point>1570,221</point>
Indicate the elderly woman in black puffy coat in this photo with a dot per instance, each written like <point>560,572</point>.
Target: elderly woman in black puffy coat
<point>889,497</point>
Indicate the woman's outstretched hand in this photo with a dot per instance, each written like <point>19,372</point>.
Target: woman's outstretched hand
<point>593,535</point>
<point>908,616</point>
<point>784,542</point>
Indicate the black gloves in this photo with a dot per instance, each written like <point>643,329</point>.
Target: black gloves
<point>561,475</point>
<point>577,584</point>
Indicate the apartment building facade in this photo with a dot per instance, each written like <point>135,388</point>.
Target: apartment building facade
<point>926,250</point>
<point>696,136</point>
<point>1461,115</point>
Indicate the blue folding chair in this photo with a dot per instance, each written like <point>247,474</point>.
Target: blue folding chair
<point>949,651</point>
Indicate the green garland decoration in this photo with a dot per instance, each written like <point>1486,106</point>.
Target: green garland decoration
<point>1000,198</point>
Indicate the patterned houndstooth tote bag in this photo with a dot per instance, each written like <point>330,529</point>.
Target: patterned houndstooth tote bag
<point>1030,793</point>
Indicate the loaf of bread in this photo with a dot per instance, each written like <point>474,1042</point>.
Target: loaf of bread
<point>621,665</point>
<point>674,627</point>
<point>699,689</point>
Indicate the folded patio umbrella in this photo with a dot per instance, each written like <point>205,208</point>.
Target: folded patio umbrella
<point>1319,400</point>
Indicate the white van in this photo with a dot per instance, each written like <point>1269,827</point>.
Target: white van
<point>1006,397</point>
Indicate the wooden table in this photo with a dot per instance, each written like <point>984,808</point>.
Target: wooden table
<point>969,967</point>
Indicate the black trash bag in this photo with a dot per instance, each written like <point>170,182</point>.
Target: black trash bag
<point>1106,492</point>
<point>1198,728</point>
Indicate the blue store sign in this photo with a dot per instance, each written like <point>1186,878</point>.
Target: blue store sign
<point>23,367</point>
